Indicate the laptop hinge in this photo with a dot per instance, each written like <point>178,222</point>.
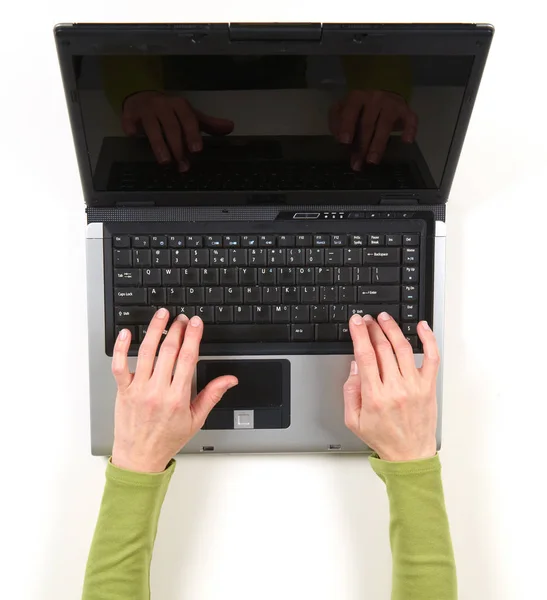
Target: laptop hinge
<point>275,32</point>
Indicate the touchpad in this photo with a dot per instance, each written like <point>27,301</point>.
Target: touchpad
<point>264,387</point>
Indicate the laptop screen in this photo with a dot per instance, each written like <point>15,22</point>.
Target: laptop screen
<point>269,123</point>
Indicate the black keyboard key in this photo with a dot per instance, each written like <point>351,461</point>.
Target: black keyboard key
<point>195,295</point>
<point>286,276</point>
<point>343,275</point>
<point>126,295</point>
<point>393,240</point>
<point>315,257</point>
<point>410,293</point>
<point>300,314</point>
<point>409,328</point>
<point>378,293</point>
<point>339,240</point>
<point>320,313</point>
<point>121,241</point>
<point>305,276</point>
<point>374,310</point>
<point>175,295</point>
<point>228,276</point>
<point>410,275</point>
<point>133,315</point>
<point>411,256</point>
<point>214,295</point>
<point>156,296</point>
<point>243,314</point>
<point>286,241</point>
<point>262,314</point>
<point>130,277</point>
<point>249,241</point>
<point>231,241</point>
<point>266,241</point>
<point>142,258</point>
<point>302,333</point>
<point>357,240</point>
<point>189,311</point>
<point>161,258</point>
<point>277,257</point>
<point>258,257</point>
<point>248,276</point>
<point>321,241</point>
<point>206,313</point>
<point>290,295</point>
<point>132,329</point>
<point>327,332</point>
<point>413,341</point>
<point>328,294</point>
<point>353,256</point>
<point>123,258</point>
<point>194,241</point>
<point>224,314</point>
<point>233,295</point>
<point>271,295</point>
<point>386,274</point>
<point>410,312</point>
<point>339,313</point>
<point>303,240</point>
<point>334,257</point>
<point>376,240</point>
<point>170,277</point>
<point>199,258</point>
<point>381,256</point>
<point>175,241</point>
<point>218,258</point>
<point>158,241</point>
<point>208,277</point>
<point>296,257</point>
<point>411,239</point>
<point>180,258</point>
<point>361,274</point>
<point>189,277</point>
<point>309,295</point>
<point>246,334</point>
<point>347,294</point>
<point>281,314</point>
<point>266,276</point>
<point>151,277</point>
<point>324,275</point>
<point>238,258</point>
<point>343,333</point>
<point>252,295</point>
<point>140,241</point>
<point>213,241</point>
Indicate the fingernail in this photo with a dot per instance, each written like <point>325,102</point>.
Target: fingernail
<point>368,318</point>
<point>357,319</point>
<point>384,316</point>
<point>373,157</point>
<point>426,326</point>
<point>356,164</point>
<point>195,321</point>
<point>231,385</point>
<point>354,369</point>
<point>182,317</point>
<point>162,313</point>
<point>195,147</point>
<point>123,334</point>
<point>183,166</point>
<point>345,138</point>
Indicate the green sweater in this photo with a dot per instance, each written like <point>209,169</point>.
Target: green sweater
<point>118,567</point>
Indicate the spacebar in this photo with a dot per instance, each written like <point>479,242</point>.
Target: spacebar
<point>246,333</point>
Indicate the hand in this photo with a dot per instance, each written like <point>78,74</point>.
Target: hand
<point>154,417</point>
<point>389,403</point>
<point>171,124</point>
<point>366,119</point>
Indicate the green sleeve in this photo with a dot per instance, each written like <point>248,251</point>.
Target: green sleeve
<point>423,558</point>
<point>118,567</point>
<point>388,73</point>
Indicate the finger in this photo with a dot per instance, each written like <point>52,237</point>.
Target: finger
<point>152,128</point>
<point>387,362</point>
<point>149,346</point>
<point>190,126</point>
<point>411,127</point>
<point>365,357</point>
<point>432,359</point>
<point>169,351</point>
<point>173,134</point>
<point>400,345</point>
<point>382,132</point>
<point>366,131</point>
<point>120,368</point>
<point>352,398</point>
<point>188,354</point>
<point>349,118</point>
<point>214,125</point>
<point>211,395</point>
<point>129,124</point>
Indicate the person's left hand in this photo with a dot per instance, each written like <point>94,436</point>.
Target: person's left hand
<point>365,120</point>
<point>154,417</point>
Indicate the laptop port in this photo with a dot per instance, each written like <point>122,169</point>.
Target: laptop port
<point>208,449</point>
<point>335,446</point>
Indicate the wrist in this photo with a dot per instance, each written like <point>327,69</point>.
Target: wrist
<point>428,451</point>
<point>137,464</point>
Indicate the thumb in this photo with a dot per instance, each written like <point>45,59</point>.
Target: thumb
<point>211,395</point>
<point>352,398</point>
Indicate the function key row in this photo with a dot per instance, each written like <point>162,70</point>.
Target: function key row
<point>264,241</point>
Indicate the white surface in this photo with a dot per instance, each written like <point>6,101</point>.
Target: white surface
<point>292,527</point>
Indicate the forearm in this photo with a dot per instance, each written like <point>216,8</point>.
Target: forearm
<point>423,557</point>
<point>118,566</point>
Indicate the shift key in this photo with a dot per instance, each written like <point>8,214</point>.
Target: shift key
<point>134,315</point>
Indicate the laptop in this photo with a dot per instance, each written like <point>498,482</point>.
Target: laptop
<point>273,179</point>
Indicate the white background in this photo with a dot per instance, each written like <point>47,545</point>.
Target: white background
<point>289,527</point>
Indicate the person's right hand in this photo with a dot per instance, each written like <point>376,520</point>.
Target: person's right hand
<point>389,403</point>
<point>171,124</point>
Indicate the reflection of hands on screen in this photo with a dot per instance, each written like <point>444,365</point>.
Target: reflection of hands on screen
<point>365,119</point>
<point>171,124</point>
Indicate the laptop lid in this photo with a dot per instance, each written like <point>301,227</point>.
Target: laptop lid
<point>218,114</point>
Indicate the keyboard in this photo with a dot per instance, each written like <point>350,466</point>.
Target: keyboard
<point>287,291</point>
<point>241,176</point>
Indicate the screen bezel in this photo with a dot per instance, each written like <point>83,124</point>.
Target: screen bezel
<point>307,39</point>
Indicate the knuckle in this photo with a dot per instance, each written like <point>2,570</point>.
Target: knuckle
<point>365,356</point>
<point>383,346</point>
<point>186,355</point>
<point>147,350</point>
<point>169,349</point>
<point>403,347</point>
